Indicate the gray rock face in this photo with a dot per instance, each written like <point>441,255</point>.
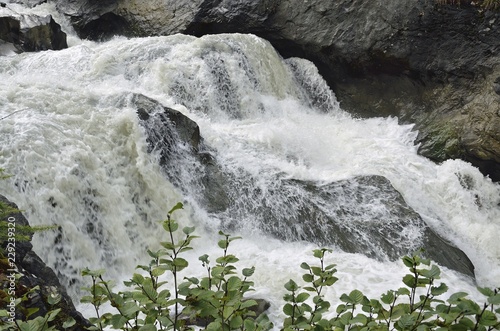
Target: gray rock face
<point>29,33</point>
<point>432,65</point>
<point>34,272</point>
<point>365,215</point>
<point>176,141</point>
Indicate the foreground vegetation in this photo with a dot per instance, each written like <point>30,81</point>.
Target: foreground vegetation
<point>218,301</point>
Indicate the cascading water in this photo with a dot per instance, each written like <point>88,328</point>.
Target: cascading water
<point>79,158</point>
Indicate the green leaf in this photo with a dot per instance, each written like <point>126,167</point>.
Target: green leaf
<point>51,315</point>
<point>399,310</point>
<point>495,299</point>
<point>118,321</point>
<point>31,311</point>
<point>457,297</point>
<point>148,327</point>
<point>302,297</point>
<point>408,261</point>
<point>320,253</point>
<point>442,288</point>
<point>149,290</point>
<point>341,308</point>
<point>168,245</point>
<point>31,325</point>
<point>249,324</point>
<point>345,298</point>
<point>236,322</point>
<point>223,243</point>
<point>409,280</point>
<point>227,259</point>
<point>180,263</point>
<point>345,318</point>
<point>407,321</point>
<point>137,278</point>
<point>308,278</point>
<point>469,306</point>
<point>234,238</point>
<point>93,273</point>
<point>356,296</point>
<point>316,271</point>
<point>170,225</point>
<point>69,323</point>
<point>247,272</point>
<point>204,259</point>
<point>403,291</point>
<point>248,303</point>
<point>157,272</point>
<point>388,297</point>
<point>488,318</point>
<point>291,286</point>
<point>233,283</point>
<point>486,291</point>
<point>288,309</point>
<point>304,265</point>
<point>53,298</point>
<point>433,272</point>
<point>178,206</point>
<point>360,318</point>
<point>129,309</point>
<point>188,230</point>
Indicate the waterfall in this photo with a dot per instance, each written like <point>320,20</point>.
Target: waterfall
<point>79,159</point>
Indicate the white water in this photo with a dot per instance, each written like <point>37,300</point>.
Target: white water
<point>78,157</point>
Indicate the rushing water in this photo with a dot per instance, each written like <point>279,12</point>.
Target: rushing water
<point>79,159</point>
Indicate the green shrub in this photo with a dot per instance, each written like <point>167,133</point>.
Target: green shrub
<point>217,301</point>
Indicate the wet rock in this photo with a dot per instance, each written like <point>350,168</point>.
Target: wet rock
<point>365,215</point>
<point>177,123</point>
<point>35,276</point>
<point>176,141</point>
<point>92,19</point>
<point>29,33</point>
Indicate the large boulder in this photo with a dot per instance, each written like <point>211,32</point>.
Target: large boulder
<point>29,33</point>
<point>33,274</point>
<point>187,162</point>
<point>365,215</point>
<point>437,66</point>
